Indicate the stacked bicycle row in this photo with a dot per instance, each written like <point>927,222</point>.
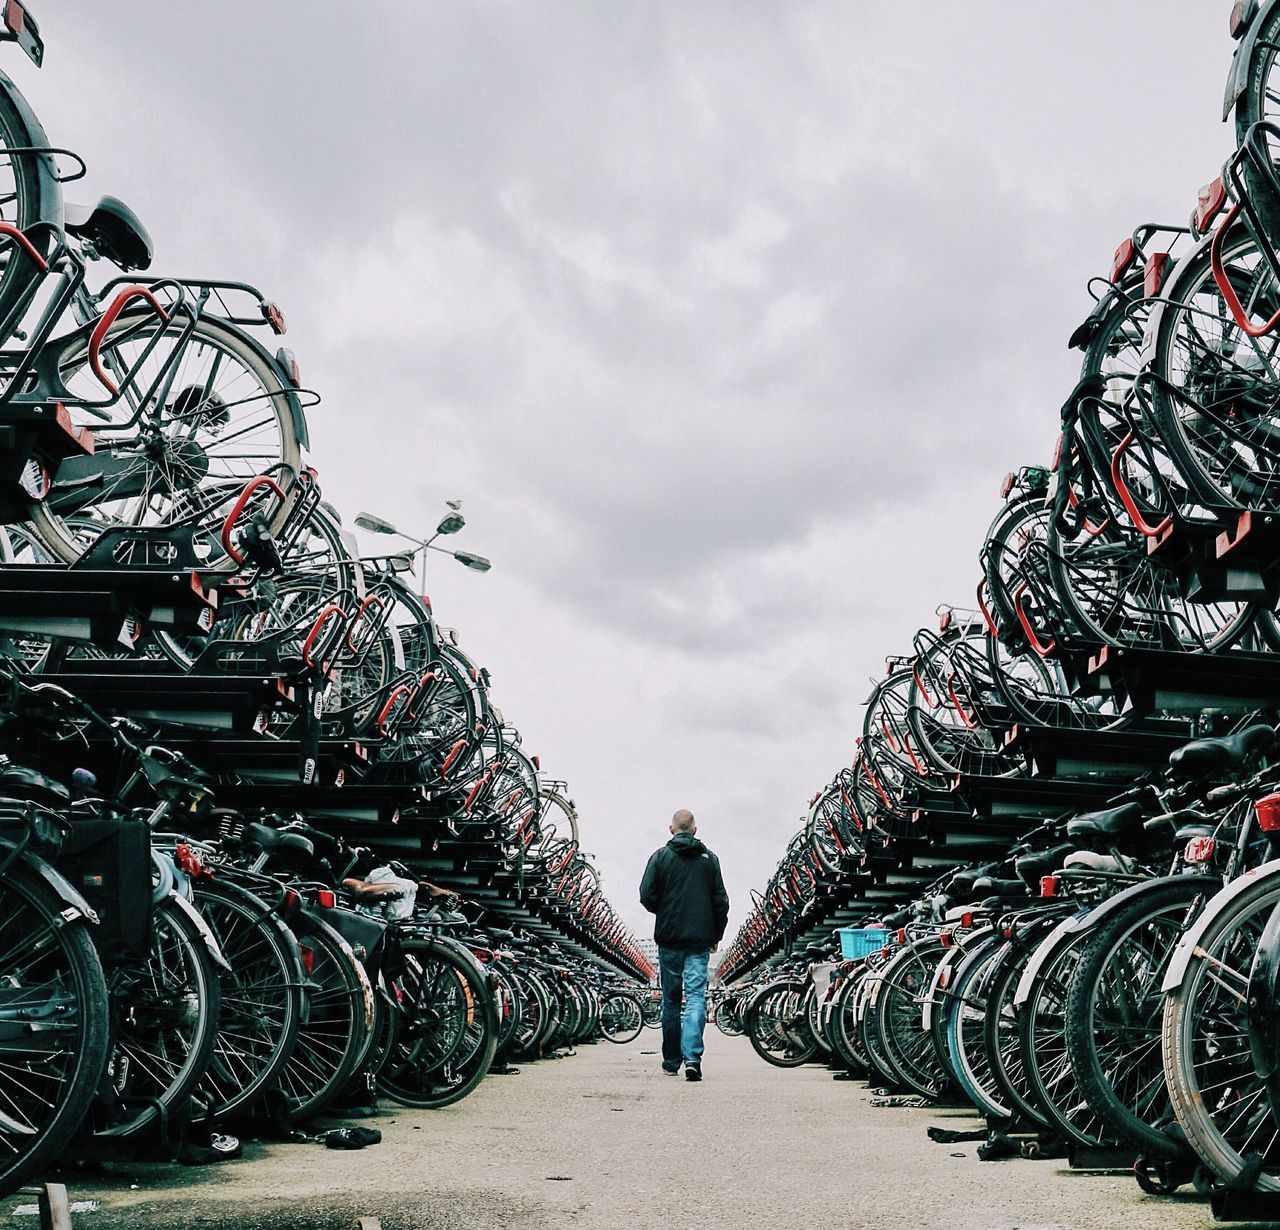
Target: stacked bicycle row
<point>266,844</point>
<point>1057,833</point>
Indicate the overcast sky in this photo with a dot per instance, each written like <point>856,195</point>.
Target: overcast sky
<point>724,320</point>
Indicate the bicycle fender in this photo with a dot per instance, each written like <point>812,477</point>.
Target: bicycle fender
<point>1238,75</point>
<point>62,888</point>
<point>1104,909</point>
<point>934,994</point>
<point>49,186</point>
<point>1187,946</point>
<point>206,932</point>
<point>1044,950</point>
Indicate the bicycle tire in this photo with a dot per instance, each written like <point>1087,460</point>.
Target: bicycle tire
<point>443,1051</point>
<point>1220,437</point>
<point>167,1025</point>
<point>1226,946</point>
<point>338,1021</point>
<point>262,998</point>
<point>621,1017</point>
<point>49,1077</point>
<point>1114,1013</point>
<point>897,1017</point>
<point>230,420</point>
<point>775,1016</point>
<point>32,203</point>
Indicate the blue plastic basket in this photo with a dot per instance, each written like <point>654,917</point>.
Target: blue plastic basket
<point>858,942</point>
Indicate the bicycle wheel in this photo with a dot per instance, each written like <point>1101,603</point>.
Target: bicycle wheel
<point>1043,1043</point>
<point>621,1016</point>
<point>777,1026</point>
<point>1215,404</point>
<point>337,1023</point>
<point>966,1031</point>
<point>166,1017</point>
<point>1119,595</point>
<point>29,195</point>
<point>1000,1035</point>
<point>728,1018</point>
<point>219,414</point>
<point>262,998</point>
<point>1261,101</point>
<point>447,1028</point>
<point>896,1004</point>
<point>49,973</point>
<point>1113,1013</point>
<point>1217,1095</point>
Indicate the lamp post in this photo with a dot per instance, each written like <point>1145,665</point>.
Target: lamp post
<point>450,523</point>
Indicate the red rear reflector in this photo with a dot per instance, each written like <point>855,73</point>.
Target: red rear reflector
<point>308,956</point>
<point>188,860</point>
<point>1268,810</point>
<point>15,18</point>
<point>327,898</point>
<point>1123,259</point>
<point>274,317</point>
<point>1007,485</point>
<point>946,939</point>
<point>537,761</point>
<point>1241,15</point>
<point>966,919</point>
<point>1048,886</point>
<point>1007,932</point>
<point>1209,202</point>
<point>902,935</point>
<point>1199,850</point>
<point>1153,276</point>
<point>1057,453</point>
<point>944,620</point>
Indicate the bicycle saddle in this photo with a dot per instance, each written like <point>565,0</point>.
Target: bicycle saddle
<point>1041,862</point>
<point>273,839</point>
<point>1089,860</point>
<point>1227,752</point>
<point>1110,822</point>
<point>114,230</point>
<point>17,781</point>
<point>962,882</point>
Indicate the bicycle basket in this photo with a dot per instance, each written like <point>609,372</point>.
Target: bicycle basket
<point>858,942</point>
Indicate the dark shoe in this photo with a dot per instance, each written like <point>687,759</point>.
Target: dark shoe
<point>692,1072</point>
<point>669,1071</point>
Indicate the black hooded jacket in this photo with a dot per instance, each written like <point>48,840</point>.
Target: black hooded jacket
<point>683,886</point>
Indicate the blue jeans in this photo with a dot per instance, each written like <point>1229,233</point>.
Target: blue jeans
<point>684,974</point>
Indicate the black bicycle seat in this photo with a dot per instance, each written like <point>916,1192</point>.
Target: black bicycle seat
<point>1227,752</point>
<point>114,230</point>
<point>19,782</point>
<point>273,839</point>
<point>1110,822</point>
<point>1041,862</point>
<point>963,881</point>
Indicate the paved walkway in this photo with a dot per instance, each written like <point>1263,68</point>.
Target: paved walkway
<point>604,1141</point>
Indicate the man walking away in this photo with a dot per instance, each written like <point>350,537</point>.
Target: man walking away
<point>683,886</point>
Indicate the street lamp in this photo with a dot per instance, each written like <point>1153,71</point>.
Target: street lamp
<point>450,523</point>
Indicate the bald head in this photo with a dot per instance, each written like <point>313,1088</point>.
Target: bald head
<point>683,822</point>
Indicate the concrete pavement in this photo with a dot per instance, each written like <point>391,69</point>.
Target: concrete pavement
<point>603,1140</point>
